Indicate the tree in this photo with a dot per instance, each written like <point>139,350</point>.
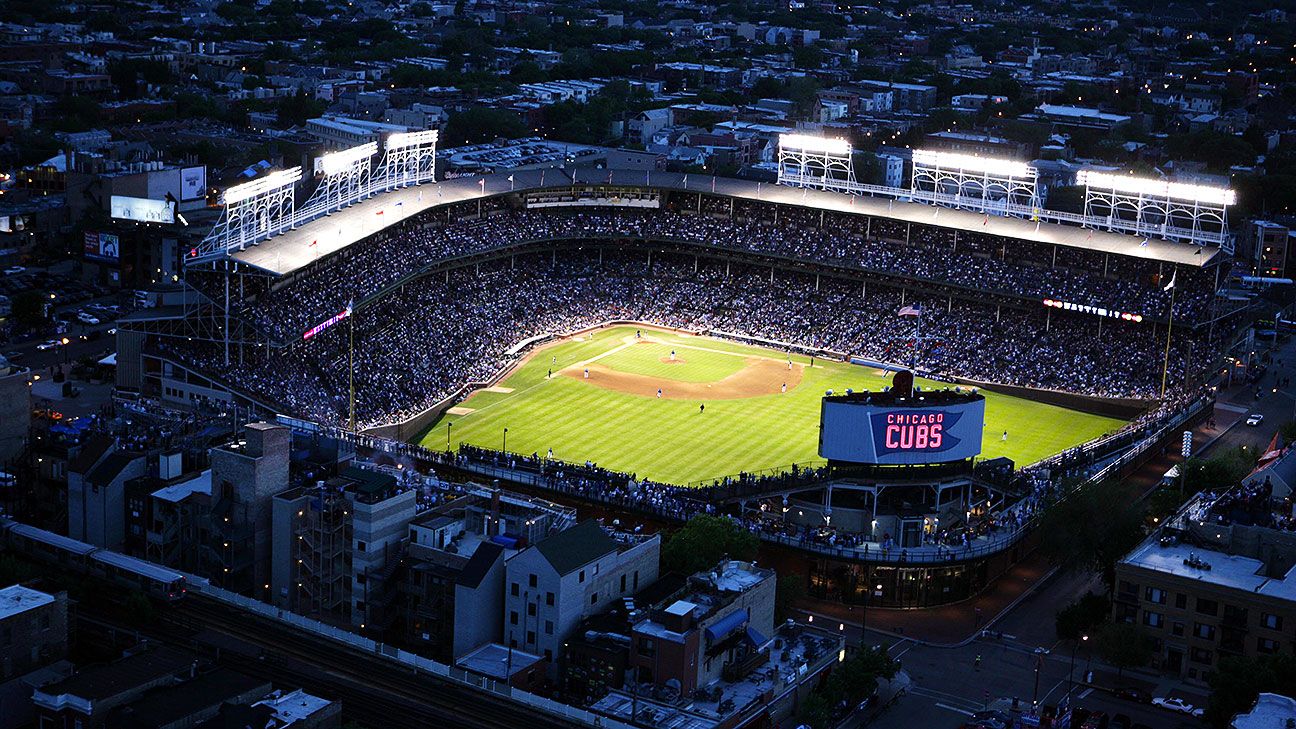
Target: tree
<point>1123,645</point>
<point>787,591</point>
<point>1081,616</point>
<point>816,712</point>
<point>482,124</point>
<point>29,307</point>
<point>1239,680</point>
<point>704,541</point>
<point>1092,528</point>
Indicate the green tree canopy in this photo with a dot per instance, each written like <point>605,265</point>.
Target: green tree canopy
<point>1092,528</point>
<point>704,541</point>
<point>482,124</point>
<point>1123,645</point>
<point>1238,681</point>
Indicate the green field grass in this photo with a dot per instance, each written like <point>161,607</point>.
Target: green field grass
<point>669,440</point>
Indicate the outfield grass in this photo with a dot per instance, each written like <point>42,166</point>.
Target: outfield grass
<point>669,440</point>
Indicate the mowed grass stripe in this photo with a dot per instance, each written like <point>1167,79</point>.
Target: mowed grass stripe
<point>669,440</point>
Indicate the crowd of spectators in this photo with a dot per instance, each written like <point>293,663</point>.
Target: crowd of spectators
<point>926,255</point>
<point>425,341</point>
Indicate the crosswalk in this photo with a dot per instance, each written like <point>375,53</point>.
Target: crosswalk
<point>948,701</point>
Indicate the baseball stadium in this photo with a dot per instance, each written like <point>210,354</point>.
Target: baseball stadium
<point>889,383</point>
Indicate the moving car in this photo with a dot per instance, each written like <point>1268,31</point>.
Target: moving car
<point>51,344</point>
<point>1254,419</point>
<point>1178,705</point>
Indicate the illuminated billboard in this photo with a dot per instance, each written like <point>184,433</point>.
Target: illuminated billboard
<point>142,210</point>
<point>933,427</point>
<point>102,246</point>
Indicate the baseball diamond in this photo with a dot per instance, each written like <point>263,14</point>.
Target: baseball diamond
<point>615,418</point>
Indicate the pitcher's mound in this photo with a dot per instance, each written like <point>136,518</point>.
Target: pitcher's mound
<point>668,360</point>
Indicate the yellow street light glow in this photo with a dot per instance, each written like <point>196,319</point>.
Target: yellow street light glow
<point>281,178</point>
<point>331,164</point>
<point>1157,188</point>
<point>411,139</point>
<point>808,143</point>
<point>971,163</point>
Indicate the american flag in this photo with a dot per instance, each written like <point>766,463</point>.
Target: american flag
<point>911,310</point>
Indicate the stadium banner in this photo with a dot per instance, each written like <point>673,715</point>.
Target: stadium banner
<point>327,323</point>
<point>142,210</point>
<point>1095,310</point>
<point>856,431</point>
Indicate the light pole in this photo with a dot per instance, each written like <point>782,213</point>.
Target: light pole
<point>65,342</point>
<point>448,424</point>
<point>1071,670</point>
<point>504,447</point>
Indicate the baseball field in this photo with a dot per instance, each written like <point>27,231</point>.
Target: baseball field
<point>678,408</point>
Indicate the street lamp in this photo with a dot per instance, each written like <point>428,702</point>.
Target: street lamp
<point>64,341</point>
<point>1071,671</point>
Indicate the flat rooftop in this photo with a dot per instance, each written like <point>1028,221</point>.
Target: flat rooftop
<point>497,661</point>
<point>1241,573</point>
<point>17,599</point>
<point>324,236</point>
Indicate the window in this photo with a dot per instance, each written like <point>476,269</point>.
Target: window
<point>1272,622</point>
<point>531,609</point>
<point>1181,601</point>
<point>636,581</point>
<point>548,627</point>
<point>1153,620</point>
<point>360,546</point>
<point>1156,595</point>
<point>647,647</point>
<point>513,589</point>
<point>549,598</point>
<point>513,617</point>
<point>623,584</point>
<point>1266,645</point>
<point>532,580</point>
<point>1204,631</point>
<point>1200,655</point>
<point>581,576</point>
<point>594,599</point>
<point>1207,607</point>
<point>530,637</point>
<point>1177,629</point>
<point>1125,587</point>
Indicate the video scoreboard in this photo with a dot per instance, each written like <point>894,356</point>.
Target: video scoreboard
<point>882,428</point>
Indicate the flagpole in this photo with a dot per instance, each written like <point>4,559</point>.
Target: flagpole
<point>351,365</point>
<point>1165,367</point>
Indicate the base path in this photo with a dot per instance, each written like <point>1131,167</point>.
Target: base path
<point>761,376</point>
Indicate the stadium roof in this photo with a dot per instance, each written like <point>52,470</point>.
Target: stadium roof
<point>319,238</point>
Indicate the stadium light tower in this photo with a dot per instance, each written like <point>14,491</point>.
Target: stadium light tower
<point>254,211</point>
<point>985,184</point>
<point>820,162</point>
<point>409,159</point>
<point>1156,207</point>
<point>345,178</point>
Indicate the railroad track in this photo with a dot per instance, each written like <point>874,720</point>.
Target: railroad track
<point>375,688</point>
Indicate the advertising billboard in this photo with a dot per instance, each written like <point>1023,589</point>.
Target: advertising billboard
<point>102,246</point>
<point>141,209</point>
<point>855,430</point>
<point>193,183</point>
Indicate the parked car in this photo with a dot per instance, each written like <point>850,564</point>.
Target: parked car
<point>87,318</point>
<point>14,270</point>
<point>1131,693</point>
<point>1177,705</point>
<point>1096,720</point>
<point>1254,419</point>
<point>51,344</point>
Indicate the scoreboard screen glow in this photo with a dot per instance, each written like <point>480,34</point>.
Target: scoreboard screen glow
<point>856,430</point>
